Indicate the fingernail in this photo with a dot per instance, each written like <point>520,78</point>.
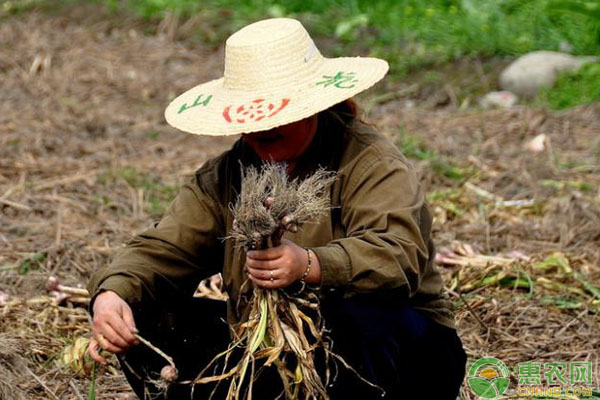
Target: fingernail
<point>135,330</point>
<point>251,253</point>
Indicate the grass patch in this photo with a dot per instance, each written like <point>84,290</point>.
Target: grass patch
<point>14,7</point>
<point>158,194</point>
<point>152,134</point>
<point>448,199</point>
<point>569,185</point>
<point>412,147</point>
<point>408,33</point>
<point>30,263</point>
<point>574,88</point>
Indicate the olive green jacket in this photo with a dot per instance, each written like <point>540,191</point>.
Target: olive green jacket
<point>376,238</point>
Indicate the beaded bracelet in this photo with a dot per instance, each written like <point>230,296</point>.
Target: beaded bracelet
<point>303,278</point>
<point>307,267</point>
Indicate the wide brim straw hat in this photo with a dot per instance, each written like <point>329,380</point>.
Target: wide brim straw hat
<point>274,75</point>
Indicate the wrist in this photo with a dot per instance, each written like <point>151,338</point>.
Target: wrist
<point>107,293</point>
<point>314,275</point>
<point>103,295</point>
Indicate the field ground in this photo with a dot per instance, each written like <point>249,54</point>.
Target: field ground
<point>86,160</point>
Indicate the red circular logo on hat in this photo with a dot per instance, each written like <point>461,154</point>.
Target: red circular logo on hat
<point>254,111</point>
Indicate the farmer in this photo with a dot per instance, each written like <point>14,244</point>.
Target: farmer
<point>371,257</point>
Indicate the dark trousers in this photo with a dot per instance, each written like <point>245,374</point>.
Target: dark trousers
<point>388,343</point>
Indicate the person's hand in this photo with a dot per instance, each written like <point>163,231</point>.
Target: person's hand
<point>280,266</point>
<point>113,327</point>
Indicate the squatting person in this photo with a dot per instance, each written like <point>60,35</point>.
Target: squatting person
<point>372,255</point>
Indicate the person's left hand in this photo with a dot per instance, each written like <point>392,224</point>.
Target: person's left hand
<point>277,267</point>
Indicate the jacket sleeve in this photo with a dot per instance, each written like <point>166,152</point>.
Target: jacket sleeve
<point>387,226</point>
<point>171,257</point>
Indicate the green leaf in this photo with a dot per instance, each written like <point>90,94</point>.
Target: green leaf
<point>590,288</point>
<point>259,334</point>
<point>276,11</point>
<point>511,281</point>
<point>555,260</point>
<point>38,257</point>
<point>30,263</point>
<point>92,391</point>
<point>567,303</point>
<point>345,27</point>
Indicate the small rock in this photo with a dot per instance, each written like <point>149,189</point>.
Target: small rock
<point>126,396</point>
<point>502,99</point>
<point>4,298</point>
<point>537,144</point>
<point>530,72</point>
<point>409,104</point>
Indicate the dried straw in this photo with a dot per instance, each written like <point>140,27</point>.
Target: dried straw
<point>11,368</point>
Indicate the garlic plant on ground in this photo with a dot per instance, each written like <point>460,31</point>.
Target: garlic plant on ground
<point>283,330</point>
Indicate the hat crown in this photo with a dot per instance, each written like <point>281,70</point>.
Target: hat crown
<point>269,54</point>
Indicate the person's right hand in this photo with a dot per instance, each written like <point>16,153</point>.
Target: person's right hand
<point>113,327</point>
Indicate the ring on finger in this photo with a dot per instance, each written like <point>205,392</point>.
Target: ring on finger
<point>101,340</point>
<point>271,279</point>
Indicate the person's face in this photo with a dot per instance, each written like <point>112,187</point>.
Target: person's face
<point>283,143</point>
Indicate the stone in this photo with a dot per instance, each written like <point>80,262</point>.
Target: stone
<point>501,99</point>
<point>529,73</point>
<point>537,144</point>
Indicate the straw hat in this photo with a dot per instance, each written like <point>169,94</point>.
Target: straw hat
<point>274,75</point>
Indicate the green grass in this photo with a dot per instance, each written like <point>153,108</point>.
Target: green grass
<point>15,7</point>
<point>575,88</point>
<point>562,185</point>
<point>31,262</point>
<point>412,35</point>
<point>409,33</point>
<point>158,194</point>
<point>413,147</point>
<point>8,7</point>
